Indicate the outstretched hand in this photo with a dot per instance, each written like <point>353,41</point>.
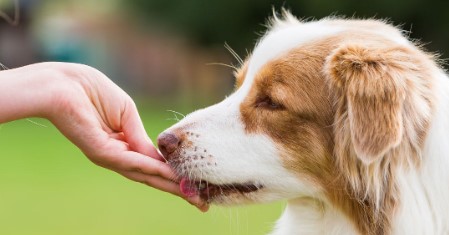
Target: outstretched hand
<point>99,118</point>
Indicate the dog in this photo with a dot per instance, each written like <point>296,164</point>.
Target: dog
<point>346,119</point>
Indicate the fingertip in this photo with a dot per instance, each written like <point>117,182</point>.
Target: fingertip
<point>198,203</point>
<point>136,162</point>
<point>156,154</point>
<point>204,208</point>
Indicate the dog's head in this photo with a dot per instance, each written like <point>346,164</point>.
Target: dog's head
<point>321,109</point>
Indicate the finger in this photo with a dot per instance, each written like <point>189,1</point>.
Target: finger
<point>166,186</point>
<point>154,153</point>
<point>204,207</point>
<point>154,181</point>
<point>136,162</point>
<point>135,133</point>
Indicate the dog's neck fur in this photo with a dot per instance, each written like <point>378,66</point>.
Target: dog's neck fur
<point>424,191</point>
<point>312,216</point>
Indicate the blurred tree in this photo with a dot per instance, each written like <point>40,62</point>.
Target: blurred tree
<point>211,22</point>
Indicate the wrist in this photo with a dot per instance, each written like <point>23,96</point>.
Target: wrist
<point>65,84</point>
<point>29,91</point>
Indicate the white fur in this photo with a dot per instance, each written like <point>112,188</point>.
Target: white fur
<point>242,157</point>
<point>309,216</point>
<point>425,193</point>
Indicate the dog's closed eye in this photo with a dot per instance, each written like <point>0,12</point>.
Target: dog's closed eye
<point>266,102</point>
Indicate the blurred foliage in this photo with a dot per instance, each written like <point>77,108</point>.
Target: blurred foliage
<point>236,21</point>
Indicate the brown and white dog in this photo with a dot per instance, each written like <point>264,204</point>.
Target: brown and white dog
<point>347,119</point>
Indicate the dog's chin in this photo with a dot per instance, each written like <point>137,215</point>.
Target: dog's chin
<point>222,194</point>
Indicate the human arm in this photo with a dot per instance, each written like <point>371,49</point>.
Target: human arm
<point>93,113</point>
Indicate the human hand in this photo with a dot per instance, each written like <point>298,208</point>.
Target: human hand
<point>102,120</point>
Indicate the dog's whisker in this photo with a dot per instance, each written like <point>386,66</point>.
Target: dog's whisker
<point>223,64</point>
<point>175,116</point>
<point>236,56</point>
<point>176,112</point>
<point>172,119</point>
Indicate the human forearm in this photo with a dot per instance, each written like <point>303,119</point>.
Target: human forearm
<point>25,93</point>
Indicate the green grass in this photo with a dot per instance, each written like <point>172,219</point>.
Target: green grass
<point>49,187</point>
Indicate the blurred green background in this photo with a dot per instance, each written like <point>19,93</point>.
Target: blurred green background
<point>157,51</point>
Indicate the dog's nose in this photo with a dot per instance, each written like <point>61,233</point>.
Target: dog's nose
<point>168,143</point>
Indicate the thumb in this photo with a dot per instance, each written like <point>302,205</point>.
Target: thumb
<point>135,133</point>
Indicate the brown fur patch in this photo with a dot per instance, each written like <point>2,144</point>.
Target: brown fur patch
<point>371,79</point>
<point>329,121</point>
<point>240,75</point>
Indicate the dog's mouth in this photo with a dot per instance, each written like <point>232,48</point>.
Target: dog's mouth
<point>208,191</point>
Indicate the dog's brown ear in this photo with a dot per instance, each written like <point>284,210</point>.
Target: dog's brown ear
<point>370,85</point>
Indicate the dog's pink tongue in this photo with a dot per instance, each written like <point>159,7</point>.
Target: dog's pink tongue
<point>188,188</point>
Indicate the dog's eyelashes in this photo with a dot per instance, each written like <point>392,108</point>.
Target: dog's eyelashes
<point>268,103</point>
